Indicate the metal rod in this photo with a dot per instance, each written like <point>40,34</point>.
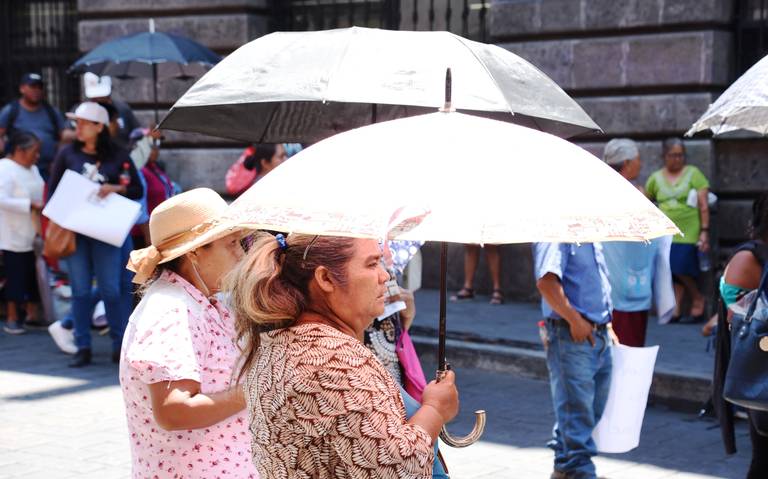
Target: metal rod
<point>448,85</point>
<point>154,89</point>
<point>448,105</point>
<point>441,361</point>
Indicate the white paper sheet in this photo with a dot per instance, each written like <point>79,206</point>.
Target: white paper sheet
<point>392,308</point>
<point>76,206</point>
<point>619,428</point>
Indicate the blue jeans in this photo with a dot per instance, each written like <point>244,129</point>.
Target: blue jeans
<point>126,284</point>
<point>93,258</point>
<point>68,321</point>
<point>579,378</point>
<point>126,291</point>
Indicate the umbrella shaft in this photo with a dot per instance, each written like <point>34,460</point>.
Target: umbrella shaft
<point>154,87</point>
<point>441,362</point>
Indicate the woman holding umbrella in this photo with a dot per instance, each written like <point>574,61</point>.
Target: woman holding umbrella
<point>320,404</point>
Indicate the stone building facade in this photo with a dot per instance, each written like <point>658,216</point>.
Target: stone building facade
<point>645,69</point>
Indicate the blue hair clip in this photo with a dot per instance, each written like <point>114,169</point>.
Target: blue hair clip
<point>281,241</point>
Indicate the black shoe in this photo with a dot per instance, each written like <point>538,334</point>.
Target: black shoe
<point>116,356</point>
<point>82,358</point>
<point>36,324</point>
<point>571,475</point>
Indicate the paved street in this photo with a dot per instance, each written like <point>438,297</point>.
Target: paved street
<point>56,422</point>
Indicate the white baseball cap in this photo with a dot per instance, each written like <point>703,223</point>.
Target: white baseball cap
<point>619,150</point>
<point>96,86</point>
<point>90,111</point>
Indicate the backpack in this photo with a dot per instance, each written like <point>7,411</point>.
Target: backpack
<point>14,113</point>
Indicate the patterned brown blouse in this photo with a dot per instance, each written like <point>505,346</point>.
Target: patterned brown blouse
<point>321,406</point>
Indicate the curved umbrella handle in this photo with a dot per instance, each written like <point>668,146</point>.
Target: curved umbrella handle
<point>470,438</point>
<point>477,430</point>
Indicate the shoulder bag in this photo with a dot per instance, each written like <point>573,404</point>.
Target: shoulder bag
<point>746,380</point>
<point>59,242</point>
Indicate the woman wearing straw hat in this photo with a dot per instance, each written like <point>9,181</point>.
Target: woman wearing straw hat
<point>184,409</point>
<point>97,157</point>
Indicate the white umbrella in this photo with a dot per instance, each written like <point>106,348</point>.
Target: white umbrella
<point>306,86</point>
<point>450,177</point>
<point>743,106</point>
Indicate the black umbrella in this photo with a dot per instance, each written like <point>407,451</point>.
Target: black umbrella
<point>306,86</point>
<point>151,54</point>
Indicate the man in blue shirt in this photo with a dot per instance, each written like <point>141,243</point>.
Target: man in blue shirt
<point>576,300</point>
<point>32,113</point>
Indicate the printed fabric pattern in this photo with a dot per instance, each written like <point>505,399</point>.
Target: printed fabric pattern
<point>321,406</point>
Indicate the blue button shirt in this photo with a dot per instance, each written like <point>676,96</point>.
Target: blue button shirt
<point>582,272</point>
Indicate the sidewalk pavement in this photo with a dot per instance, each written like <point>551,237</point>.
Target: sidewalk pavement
<point>505,338</point>
<point>58,422</point>
<point>62,423</point>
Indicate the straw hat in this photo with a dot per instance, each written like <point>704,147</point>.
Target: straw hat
<point>179,225</point>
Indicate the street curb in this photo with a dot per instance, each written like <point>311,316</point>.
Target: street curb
<point>681,392</point>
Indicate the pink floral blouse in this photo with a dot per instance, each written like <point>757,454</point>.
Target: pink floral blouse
<point>177,333</point>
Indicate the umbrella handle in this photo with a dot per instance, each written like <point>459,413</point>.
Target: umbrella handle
<point>470,438</point>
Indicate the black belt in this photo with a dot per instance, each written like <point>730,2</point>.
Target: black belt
<point>565,324</point>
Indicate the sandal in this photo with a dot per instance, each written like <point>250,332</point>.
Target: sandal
<point>497,297</point>
<point>700,306</point>
<point>463,294</point>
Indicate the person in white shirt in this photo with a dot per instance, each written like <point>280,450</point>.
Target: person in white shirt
<point>21,199</point>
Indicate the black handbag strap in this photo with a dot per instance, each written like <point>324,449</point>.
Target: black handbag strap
<point>760,291</point>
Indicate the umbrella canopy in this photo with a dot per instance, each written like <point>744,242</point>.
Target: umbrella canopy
<point>134,55</point>
<point>151,54</point>
<point>450,177</point>
<point>743,106</point>
<point>306,86</point>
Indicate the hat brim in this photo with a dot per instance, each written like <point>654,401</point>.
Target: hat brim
<point>74,116</point>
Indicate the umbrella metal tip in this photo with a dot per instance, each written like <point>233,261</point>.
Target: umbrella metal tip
<point>448,92</point>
